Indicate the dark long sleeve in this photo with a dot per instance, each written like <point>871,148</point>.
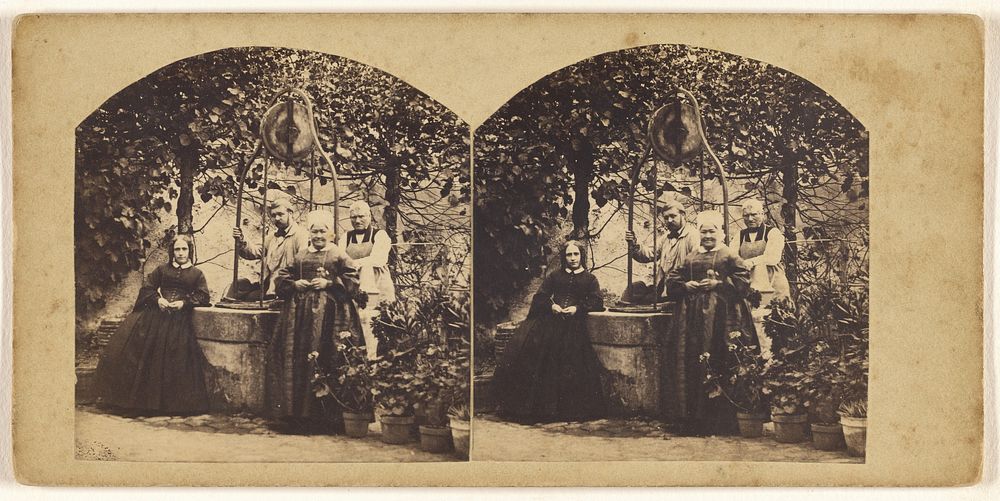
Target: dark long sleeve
<point>736,284</point>
<point>541,302</point>
<point>199,296</point>
<point>147,293</point>
<point>346,282</point>
<point>675,283</point>
<point>592,299</point>
<point>284,281</point>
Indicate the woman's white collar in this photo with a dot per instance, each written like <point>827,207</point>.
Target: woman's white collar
<point>718,246</point>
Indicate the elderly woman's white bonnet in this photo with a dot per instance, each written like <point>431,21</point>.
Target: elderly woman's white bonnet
<point>320,218</point>
<point>711,218</point>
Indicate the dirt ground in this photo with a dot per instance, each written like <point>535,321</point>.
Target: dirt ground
<point>215,438</point>
<point>208,438</point>
<point>628,440</point>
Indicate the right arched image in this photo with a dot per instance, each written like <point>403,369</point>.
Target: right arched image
<point>671,263</point>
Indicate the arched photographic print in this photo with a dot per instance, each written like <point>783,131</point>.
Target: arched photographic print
<point>671,264</point>
<point>272,263</point>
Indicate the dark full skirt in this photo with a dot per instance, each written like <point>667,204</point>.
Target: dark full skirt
<point>549,372</point>
<point>308,322</point>
<point>702,324</point>
<point>153,365</point>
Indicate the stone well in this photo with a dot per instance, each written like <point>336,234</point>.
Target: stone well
<point>235,343</point>
<point>629,348</point>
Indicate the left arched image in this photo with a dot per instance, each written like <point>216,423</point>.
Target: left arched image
<point>272,263</point>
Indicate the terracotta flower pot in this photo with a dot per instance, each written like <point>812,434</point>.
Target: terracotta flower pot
<point>356,424</point>
<point>435,438</point>
<point>397,429</point>
<point>827,437</point>
<point>751,425</point>
<point>790,428</point>
<point>460,435</point>
<point>855,434</point>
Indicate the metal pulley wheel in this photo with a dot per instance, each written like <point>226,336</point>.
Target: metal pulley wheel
<point>674,132</point>
<point>286,131</point>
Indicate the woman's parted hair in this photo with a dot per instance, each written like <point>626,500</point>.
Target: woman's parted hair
<point>190,241</point>
<point>578,245</point>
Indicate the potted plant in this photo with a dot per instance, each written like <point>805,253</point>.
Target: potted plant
<point>392,381</point>
<point>837,372</point>
<point>460,421</point>
<point>354,386</point>
<point>441,379</point>
<point>821,381</point>
<point>784,372</point>
<point>742,384</point>
<point>325,387</point>
<point>851,315</point>
<point>854,420</point>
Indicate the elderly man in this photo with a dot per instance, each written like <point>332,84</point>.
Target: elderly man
<point>369,248</point>
<point>680,240</point>
<point>760,248</point>
<point>280,247</point>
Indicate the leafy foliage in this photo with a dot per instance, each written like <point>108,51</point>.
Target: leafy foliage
<point>574,135</point>
<point>392,381</point>
<point>790,359</point>
<point>440,382</point>
<point>741,379</point>
<point>348,381</point>
<point>461,412</point>
<point>190,127</point>
<point>426,335</point>
<point>820,351</point>
<point>854,409</point>
<point>431,314</point>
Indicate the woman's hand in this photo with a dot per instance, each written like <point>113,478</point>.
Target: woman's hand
<point>710,283</point>
<point>302,285</point>
<point>557,309</point>
<point>320,283</point>
<point>176,305</point>
<point>693,286</point>
<point>163,304</point>
<point>571,310</point>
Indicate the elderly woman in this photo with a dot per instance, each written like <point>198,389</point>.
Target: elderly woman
<point>153,364</point>
<point>710,287</point>
<point>319,289</point>
<point>549,370</point>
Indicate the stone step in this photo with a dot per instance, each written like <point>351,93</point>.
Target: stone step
<point>105,330</point>
<point>86,362</point>
<point>504,332</point>
<point>485,400</point>
<point>85,393</point>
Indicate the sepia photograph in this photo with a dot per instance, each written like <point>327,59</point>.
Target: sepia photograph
<point>677,268</point>
<point>497,250</point>
<point>273,256</point>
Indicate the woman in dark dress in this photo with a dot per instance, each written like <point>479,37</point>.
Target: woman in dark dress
<point>319,288</point>
<point>549,371</point>
<point>153,364</point>
<point>711,311</point>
